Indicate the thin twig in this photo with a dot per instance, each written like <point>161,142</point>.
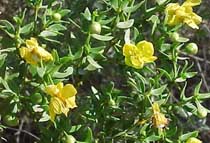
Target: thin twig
<point>196,58</point>
<point>24,131</point>
<point>19,131</point>
<point>202,75</point>
<point>205,57</point>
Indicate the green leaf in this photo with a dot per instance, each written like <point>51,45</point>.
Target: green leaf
<point>141,81</point>
<point>7,27</point>
<point>50,38</point>
<point>165,47</point>
<point>75,128</point>
<point>202,96</point>
<point>79,53</point>
<point>90,67</point>
<point>55,56</point>
<point>125,24</point>
<point>87,14</point>
<point>45,117</point>
<point>89,136</point>
<point>6,86</point>
<point>135,34</point>
<point>64,12</point>
<point>7,50</point>
<point>133,8</point>
<point>185,76</point>
<point>182,95</point>
<point>27,28</point>
<point>101,37</point>
<point>160,2</point>
<point>142,130</point>
<point>197,88</point>
<point>158,91</point>
<point>56,27</point>
<point>2,59</point>
<point>155,20</point>
<point>97,50</point>
<point>93,64</point>
<point>182,39</point>
<point>47,33</point>
<point>114,4</point>
<point>41,71</point>
<point>164,72</point>
<point>180,79</point>
<point>186,136</point>
<point>189,74</point>
<point>66,73</point>
<point>106,21</point>
<point>190,107</point>
<point>152,138</point>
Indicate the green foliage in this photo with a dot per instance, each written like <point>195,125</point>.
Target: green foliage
<point>114,101</point>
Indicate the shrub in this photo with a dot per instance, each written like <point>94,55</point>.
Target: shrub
<point>110,71</point>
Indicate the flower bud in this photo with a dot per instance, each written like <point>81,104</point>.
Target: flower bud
<point>36,98</point>
<point>70,139</point>
<point>191,48</point>
<point>11,120</point>
<point>112,103</point>
<point>201,112</point>
<point>193,140</point>
<point>95,28</point>
<point>56,16</point>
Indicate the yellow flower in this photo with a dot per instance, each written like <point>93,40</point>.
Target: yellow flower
<point>33,53</point>
<point>159,120</point>
<point>192,2</point>
<point>176,14</point>
<point>137,55</point>
<point>62,99</point>
<point>193,140</point>
<point>171,17</point>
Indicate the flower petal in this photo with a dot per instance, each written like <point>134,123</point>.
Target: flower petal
<point>68,91</point>
<point>56,105</point>
<point>32,43</point>
<point>159,120</point>
<point>26,54</point>
<point>149,59</point>
<point>70,102</point>
<point>137,62</point>
<point>127,61</point>
<point>192,3</point>
<point>52,90</point>
<point>155,107</point>
<point>146,48</point>
<point>45,55</point>
<point>191,23</point>
<point>129,49</point>
<point>60,86</point>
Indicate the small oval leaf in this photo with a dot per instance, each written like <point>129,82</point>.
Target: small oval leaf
<point>125,24</point>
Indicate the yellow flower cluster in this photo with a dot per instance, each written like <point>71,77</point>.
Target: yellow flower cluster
<point>137,55</point>
<point>193,140</point>
<point>33,53</point>
<point>176,14</point>
<point>62,99</point>
<point>159,120</point>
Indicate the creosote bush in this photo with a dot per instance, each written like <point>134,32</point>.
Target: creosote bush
<point>106,71</point>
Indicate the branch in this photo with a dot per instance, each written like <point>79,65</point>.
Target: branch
<point>23,131</point>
